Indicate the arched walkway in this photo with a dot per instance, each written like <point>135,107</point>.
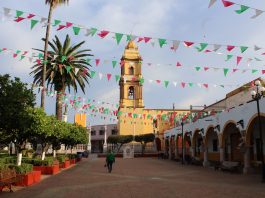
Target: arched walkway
<point>212,145</point>
<point>231,138</point>
<point>187,147</point>
<point>158,144</point>
<point>253,141</point>
<point>198,144</point>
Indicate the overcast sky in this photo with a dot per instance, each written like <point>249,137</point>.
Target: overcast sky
<point>188,20</point>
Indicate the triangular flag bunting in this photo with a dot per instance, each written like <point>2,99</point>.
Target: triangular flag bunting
<point>162,42</point>
<point>263,71</point>
<point>190,84</point>
<point>188,44</point>
<point>216,47</point>
<point>234,70</point>
<point>33,23</point>
<point>30,16</point>
<point>178,64</point>
<point>206,86</point>
<point>253,71</point>
<point>228,57</point>
<point>63,58</point>
<point>257,13</point>
<point>166,83</point>
<point>197,68</point>
<point>103,33</point>
<point>68,68</point>
<point>183,84</point>
<point>243,49</point>
<point>19,13</point>
<point>108,77</point>
<point>243,8</point>
<point>146,39</point>
<point>68,24</point>
<point>211,3</point>
<point>202,47</point>
<point>175,45</point>
<point>256,48</point>
<point>97,61</point>
<point>118,37</point>
<point>76,30</point>
<point>206,68</point>
<point>114,63</point>
<point>61,27</point>
<point>19,19</point>
<point>227,3</point>
<point>91,31</point>
<point>117,77</point>
<point>56,22</point>
<point>141,81</point>
<point>238,59</point>
<point>226,71</point>
<point>230,47</point>
<point>92,74</point>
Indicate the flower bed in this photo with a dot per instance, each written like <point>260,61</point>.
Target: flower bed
<point>29,179</point>
<point>47,170</point>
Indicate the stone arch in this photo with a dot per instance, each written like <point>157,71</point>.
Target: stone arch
<point>208,130</point>
<point>187,143</point>
<point>197,144</point>
<point>212,144</point>
<point>131,70</point>
<point>131,92</point>
<point>231,138</point>
<point>195,134</point>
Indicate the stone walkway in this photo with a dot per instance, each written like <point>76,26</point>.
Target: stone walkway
<point>143,178</point>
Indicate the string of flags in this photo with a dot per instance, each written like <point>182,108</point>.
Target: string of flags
<point>173,44</point>
<point>38,58</point>
<point>240,10</point>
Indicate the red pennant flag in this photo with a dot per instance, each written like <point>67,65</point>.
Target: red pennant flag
<point>146,39</point>
<point>19,19</point>
<point>230,47</point>
<point>183,84</point>
<point>103,33</point>
<point>133,78</point>
<point>25,52</point>
<point>30,16</point>
<point>158,81</point>
<point>227,3</point>
<point>234,70</point>
<point>108,76</point>
<point>61,27</point>
<point>178,64</point>
<point>140,39</point>
<point>14,55</point>
<point>97,62</point>
<point>263,71</point>
<point>68,24</point>
<point>206,68</point>
<point>38,61</point>
<point>188,44</point>
<point>238,59</point>
<point>206,86</point>
<point>122,63</point>
<point>206,51</point>
<point>263,53</point>
<point>130,115</point>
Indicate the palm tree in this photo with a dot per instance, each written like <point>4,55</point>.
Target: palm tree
<point>66,67</point>
<point>53,4</point>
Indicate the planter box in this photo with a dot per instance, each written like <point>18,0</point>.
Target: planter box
<point>72,161</point>
<point>47,170</point>
<point>65,164</point>
<point>78,159</point>
<point>29,179</point>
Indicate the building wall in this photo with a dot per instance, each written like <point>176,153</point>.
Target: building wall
<point>80,119</point>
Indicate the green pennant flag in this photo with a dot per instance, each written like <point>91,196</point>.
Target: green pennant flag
<point>141,81</point>
<point>243,49</point>
<point>40,55</point>
<point>257,59</point>
<point>229,56</point>
<point>118,37</point>
<point>63,58</point>
<point>56,22</point>
<point>1,50</point>
<point>88,60</point>
<point>33,22</point>
<point>45,62</point>
<point>162,42</point>
<point>222,86</point>
<point>92,74</point>
<point>190,84</point>
<point>128,38</point>
<point>166,83</point>
<point>254,71</point>
<point>117,77</point>
<point>114,63</point>
<point>19,13</point>
<point>243,8</point>
<point>18,51</point>
<point>202,47</point>
<point>22,57</point>
<point>197,68</point>
<point>119,113</point>
<point>134,115</point>
<point>93,31</point>
<point>76,30</point>
<point>225,71</point>
<point>68,69</point>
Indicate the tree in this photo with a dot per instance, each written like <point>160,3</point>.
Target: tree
<point>119,140</point>
<point>15,98</point>
<point>66,67</point>
<point>53,4</point>
<point>144,139</point>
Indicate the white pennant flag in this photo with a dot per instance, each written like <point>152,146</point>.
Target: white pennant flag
<point>30,59</point>
<point>150,81</point>
<point>175,45</point>
<point>258,12</point>
<point>199,85</point>
<point>211,3</point>
<point>216,47</point>
<point>7,12</point>
<point>175,83</point>
<point>133,37</point>
<point>153,44</point>
<point>256,48</point>
<point>43,20</point>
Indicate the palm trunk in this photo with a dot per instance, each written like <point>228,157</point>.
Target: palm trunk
<point>46,56</point>
<point>59,106</point>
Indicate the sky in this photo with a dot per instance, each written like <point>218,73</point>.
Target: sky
<point>186,20</point>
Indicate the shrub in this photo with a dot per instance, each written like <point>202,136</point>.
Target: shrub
<point>23,169</point>
<point>62,158</point>
<point>72,156</point>
<point>3,166</point>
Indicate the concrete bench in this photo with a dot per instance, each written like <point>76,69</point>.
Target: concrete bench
<point>230,166</point>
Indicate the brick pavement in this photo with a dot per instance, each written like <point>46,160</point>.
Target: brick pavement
<point>143,177</point>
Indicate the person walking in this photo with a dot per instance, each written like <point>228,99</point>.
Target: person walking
<point>110,159</point>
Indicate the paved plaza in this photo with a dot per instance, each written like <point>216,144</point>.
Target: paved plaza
<point>143,177</point>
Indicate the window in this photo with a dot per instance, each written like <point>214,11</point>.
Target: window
<point>215,145</point>
<point>131,71</point>
<point>93,132</point>
<point>114,131</point>
<point>102,131</point>
<point>131,93</point>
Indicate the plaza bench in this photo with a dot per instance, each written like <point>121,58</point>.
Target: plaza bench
<point>230,166</point>
<point>8,177</point>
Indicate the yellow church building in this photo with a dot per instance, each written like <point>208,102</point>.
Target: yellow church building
<point>133,117</point>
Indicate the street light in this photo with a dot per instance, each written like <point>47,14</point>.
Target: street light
<point>182,139</point>
<point>256,95</point>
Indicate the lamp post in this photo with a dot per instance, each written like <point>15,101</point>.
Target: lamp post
<point>256,95</point>
<point>182,139</point>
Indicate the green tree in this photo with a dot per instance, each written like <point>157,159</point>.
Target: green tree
<point>119,140</point>
<point>15,98</point>
<point>66,67</point>
<point>144,139</point>
<point>53,4</point>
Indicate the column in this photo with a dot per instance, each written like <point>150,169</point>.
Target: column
<point>170,151</point>
<point>105,140</point>
<point>192,152</point>
<point>205,158</point>
<point>222,157</point>
<point>246,160</point>
<point>89,140</point>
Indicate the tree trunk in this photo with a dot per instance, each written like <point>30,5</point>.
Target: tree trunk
<point>43,155</point>
<point>19,158</point>
<point>46,56</point>
<point>59,105</point>
<point>54,153</point>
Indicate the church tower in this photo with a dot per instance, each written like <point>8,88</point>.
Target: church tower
<point>131,89</point>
